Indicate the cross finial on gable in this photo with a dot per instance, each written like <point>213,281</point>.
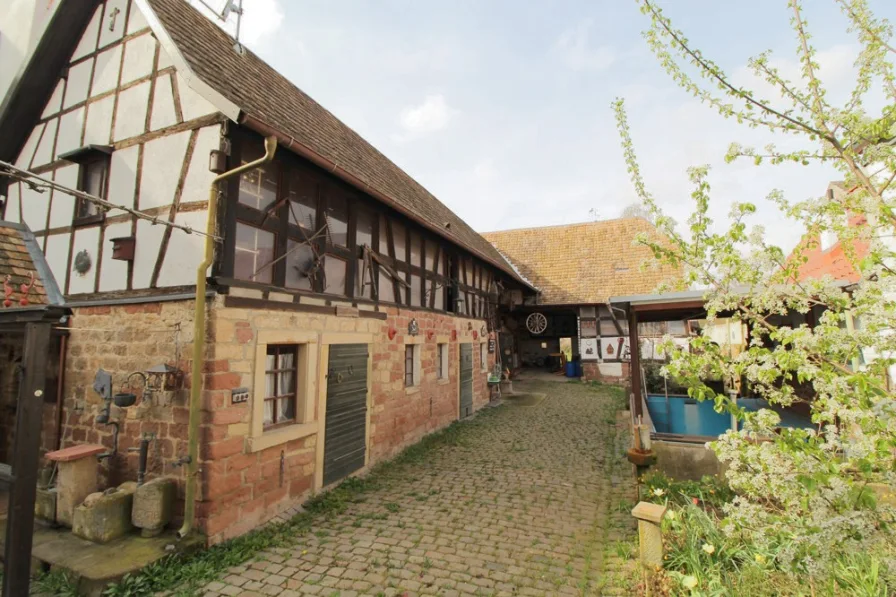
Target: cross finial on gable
<point>113,16</point>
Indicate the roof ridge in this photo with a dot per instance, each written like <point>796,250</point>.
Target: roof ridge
<point>571,225</point>
<point>268,101</point>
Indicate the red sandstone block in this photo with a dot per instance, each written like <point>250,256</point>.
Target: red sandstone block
<point>252,506</point>
<point>268,484</point>
<point>241,462</point>
<point>212,433</point>
<point>105,310</point>
<point>224,448</point>
<point>300,459</point>
<point>241,496</point>
<point>217,486</point>
<point>271,469</point>
<point>75,453</point>
<point>244,333</point>
<point>154,308</point>
<point>299,486</point>
<point>227,416</point>
<point>252,474</point>
<point>275,496</point>
<point>216,366</point>
<point>222,381</point>
<point>220,520</point>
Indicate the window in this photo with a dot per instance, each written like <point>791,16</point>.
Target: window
<point>483,356</point>
<point>281,367</point>
<point>301,266</point>
<point>94,178</point>
<point>254,253</point>
<point>334,273</point>
<point>337,219</point>
<point>302,201</point>
<point>443,361</point>
<point>283,400</point>
<point>411,365</point>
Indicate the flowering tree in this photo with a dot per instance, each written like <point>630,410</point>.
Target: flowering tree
<point>805,495</point>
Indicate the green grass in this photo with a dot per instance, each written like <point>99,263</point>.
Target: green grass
<point>731,567</point>
<point>57,583</point>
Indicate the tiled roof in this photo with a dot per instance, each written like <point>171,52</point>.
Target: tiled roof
<point>20,258</point>
<point>264,94</point>
<point>583,263</point>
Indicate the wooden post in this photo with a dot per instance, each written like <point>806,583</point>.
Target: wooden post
<point>20,520</point>
<point>635,362</point>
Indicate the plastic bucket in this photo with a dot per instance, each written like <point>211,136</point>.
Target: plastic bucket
<point>570,369</point>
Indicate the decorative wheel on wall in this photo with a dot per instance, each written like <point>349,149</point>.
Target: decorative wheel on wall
<point>537,323</point>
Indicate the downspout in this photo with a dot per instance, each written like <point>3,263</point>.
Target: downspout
<point>270,147</point>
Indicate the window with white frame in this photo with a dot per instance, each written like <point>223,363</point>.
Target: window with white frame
<point>483,356</point>
<point>443,361</point>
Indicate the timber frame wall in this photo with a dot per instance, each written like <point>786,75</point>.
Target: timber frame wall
<point>302,203</point>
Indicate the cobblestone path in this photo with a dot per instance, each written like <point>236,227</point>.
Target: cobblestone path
<point>526,499</point>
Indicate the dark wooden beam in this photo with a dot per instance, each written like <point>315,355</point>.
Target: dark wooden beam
<point>26,451</point>
<point>635,350</point>
<point>33,85</point>
<point>240,302</point>
<point>669,307</point>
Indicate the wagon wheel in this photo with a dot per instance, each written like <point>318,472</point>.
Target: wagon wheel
<point>537,323</point>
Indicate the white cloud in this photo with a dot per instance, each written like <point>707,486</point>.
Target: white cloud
<point>575,50</point>
<point>261,19</point>
<point>428,117</point>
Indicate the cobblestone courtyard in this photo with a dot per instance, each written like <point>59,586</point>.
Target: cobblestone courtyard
<point>529,498</point>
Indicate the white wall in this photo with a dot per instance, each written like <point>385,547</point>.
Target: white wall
<point>121,92</point>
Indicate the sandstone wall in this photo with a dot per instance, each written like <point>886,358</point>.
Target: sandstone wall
<point>241,488</point>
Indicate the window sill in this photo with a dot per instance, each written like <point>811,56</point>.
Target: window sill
<point>275,437</point>
<point>443,382</point>
<point>412,390</point>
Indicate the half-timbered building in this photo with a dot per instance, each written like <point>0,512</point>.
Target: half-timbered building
<point>348,311</point>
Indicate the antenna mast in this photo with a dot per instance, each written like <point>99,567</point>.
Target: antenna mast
<point>234,7</point>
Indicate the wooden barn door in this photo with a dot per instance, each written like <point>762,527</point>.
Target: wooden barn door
<point>466,380</point>
<point>345,435</point>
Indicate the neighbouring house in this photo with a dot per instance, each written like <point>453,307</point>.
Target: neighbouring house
<point>576,269</point>
<point>827,255</point>
<point>349,312</point>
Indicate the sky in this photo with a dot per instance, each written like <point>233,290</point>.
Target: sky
<point>502,109</point>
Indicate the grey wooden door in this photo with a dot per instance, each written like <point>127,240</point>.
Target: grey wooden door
<point>345,439</point>
<point>466,380</point>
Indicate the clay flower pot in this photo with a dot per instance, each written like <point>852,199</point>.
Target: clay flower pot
<point>639,458</point>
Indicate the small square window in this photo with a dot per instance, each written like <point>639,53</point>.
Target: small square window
<point>411,365</point>
<point>443,361</point>
<point>280,371</point>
